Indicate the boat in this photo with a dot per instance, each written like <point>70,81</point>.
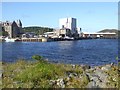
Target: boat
<point>7,39</point>
<point>68,38</point>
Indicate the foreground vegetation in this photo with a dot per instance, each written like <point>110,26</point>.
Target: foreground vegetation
<point>43,74</point>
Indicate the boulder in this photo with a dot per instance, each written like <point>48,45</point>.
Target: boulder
<point>106,68</point>
<point>91,84</point>
<point>102,75</point>
<point>84,67</point>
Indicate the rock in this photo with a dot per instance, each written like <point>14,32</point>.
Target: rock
<point>96,82</point>
<point>84,67</point>
<point>62,85</point>
<point>52,82</point>
<point>89,70</point>
<point>102,75</point>
<point>87,76</point>
<point>59,82</point>
<point>106,68</point>
<point>101,85</point>
<point>68,78</point>
<point>112,64</point>
<point>17,82</point>
<point>73,66</point>
<point>75,74</point>
<point>0,75</point>
<point>95,78</point>
<point>91,84</point>
<point>72,75</point>
<point>115,79</point>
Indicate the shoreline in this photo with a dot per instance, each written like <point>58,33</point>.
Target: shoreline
<point>56,62</point>
<point>44,74</point>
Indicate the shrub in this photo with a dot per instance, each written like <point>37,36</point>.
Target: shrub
<point>37,57</point>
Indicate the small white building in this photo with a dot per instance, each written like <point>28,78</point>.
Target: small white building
<point>49,34</point>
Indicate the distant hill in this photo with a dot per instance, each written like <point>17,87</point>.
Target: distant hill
<point>37,30</point>
<point>109,30</point>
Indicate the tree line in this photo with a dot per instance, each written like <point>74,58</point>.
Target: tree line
<point>37,30</point>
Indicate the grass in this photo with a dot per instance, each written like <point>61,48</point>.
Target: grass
<point>113,77</point>
<point>23,74</point>
<point>34,74</point>
<point>30,75</point>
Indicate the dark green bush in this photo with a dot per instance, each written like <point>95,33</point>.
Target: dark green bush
<point>37,57</point>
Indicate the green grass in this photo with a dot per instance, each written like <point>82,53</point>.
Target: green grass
<point>30,75</point>
<point>113,77</point>
<point>38,74</point>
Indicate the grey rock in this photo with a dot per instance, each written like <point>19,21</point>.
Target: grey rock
<point>87,76</point>
<point>106,68</point>
<point>85,67</point>
<point>52,82</point>
<point>68,78</point>
<point>60,83</point>
<point>95,78</point>
<point>101,84</point>
<point>112,64</point>
<point>75,74</point>
<point>72,75</point>
<point>91,84</point>
<point>91,69</point>
<point>73,66</point>
<point>102,75</point>
<point>0,75</point>
<point>17,82</point>
<point>115,79</point>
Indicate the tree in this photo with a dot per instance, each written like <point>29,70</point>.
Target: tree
<point>3,32</point>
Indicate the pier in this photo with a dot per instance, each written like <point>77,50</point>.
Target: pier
<point>34,39</point>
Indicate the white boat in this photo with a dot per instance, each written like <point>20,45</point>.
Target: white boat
<point>7,39</point>
<point>68,38</point>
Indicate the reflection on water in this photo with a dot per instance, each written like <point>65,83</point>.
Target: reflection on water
<point>93,52</point>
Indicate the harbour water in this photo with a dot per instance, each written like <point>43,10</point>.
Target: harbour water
<point>91,52</point>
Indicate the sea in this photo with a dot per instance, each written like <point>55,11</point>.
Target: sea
<point>90,52</point>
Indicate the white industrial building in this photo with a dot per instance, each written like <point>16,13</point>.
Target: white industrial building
<point>68,23</point>
<point>67,28</point>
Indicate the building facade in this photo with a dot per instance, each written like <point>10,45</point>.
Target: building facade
<point>14,28</point>
<point>68,23</point>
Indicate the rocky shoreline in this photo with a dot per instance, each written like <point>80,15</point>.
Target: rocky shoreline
<point>49,75</point>
<point>97,77</point>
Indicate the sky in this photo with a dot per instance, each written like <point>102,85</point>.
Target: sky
<point>91,16</point>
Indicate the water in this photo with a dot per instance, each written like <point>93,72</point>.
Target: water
<point>92,52</point>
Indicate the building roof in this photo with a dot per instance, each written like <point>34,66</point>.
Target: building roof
<point>97,33</point>
<point>48,32</point>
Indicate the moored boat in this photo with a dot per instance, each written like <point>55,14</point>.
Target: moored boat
<point>7,39</point>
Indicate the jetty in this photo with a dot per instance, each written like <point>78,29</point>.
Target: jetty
<point>42,39</point>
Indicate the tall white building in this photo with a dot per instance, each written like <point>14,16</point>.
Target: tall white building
<point>69,23</point>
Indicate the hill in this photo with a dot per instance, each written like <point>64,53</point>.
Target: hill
<point>37,30</point>
<point>109,30</point>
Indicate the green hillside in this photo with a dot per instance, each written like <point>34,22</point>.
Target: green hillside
<point>37,30</point>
